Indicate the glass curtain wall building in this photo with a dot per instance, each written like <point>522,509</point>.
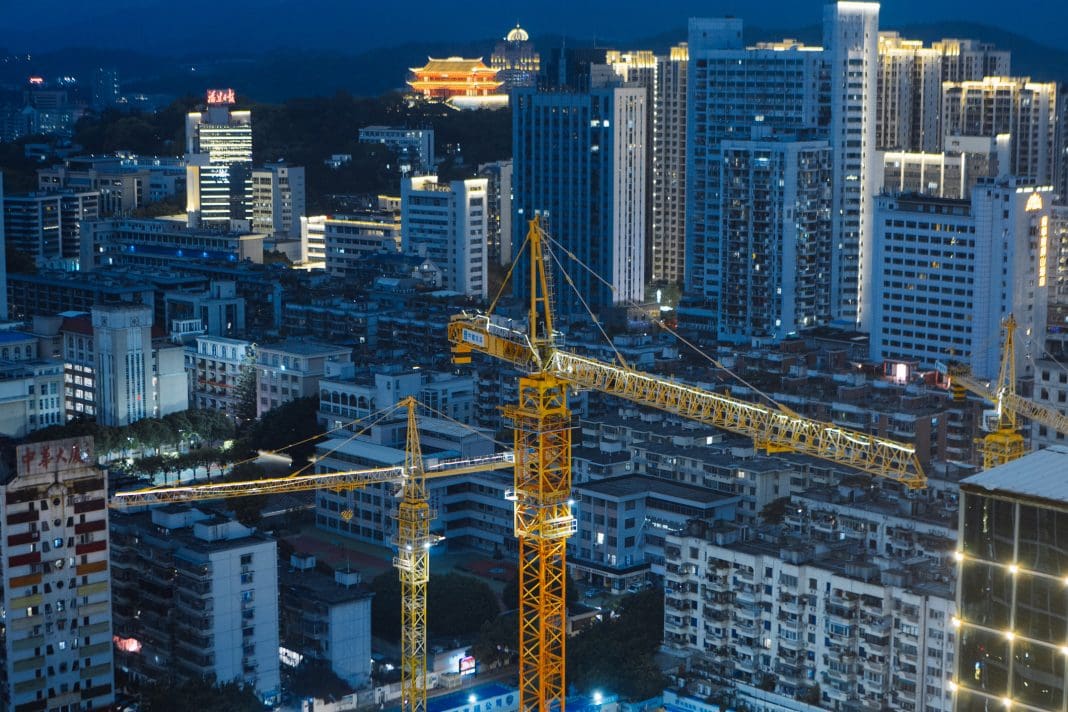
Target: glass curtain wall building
<point>1012,630</point>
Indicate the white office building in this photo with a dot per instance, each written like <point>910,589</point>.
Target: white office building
<point>447,223</point>
<point>948,272</point>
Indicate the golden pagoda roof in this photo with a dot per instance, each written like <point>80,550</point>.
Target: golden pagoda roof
<point>453,64</point>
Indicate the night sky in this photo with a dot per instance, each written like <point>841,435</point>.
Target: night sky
<point>353,25</point>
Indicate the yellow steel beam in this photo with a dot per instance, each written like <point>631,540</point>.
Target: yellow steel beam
<point>350,479</point>
<point>769,428</point>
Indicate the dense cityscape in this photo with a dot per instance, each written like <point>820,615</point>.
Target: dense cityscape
<point>719,371</point>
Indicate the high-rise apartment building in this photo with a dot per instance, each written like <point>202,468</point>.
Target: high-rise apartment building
<point>908,107</point>
<point>1012,556</point>
<point>447,223</point>
<point>851,41</point>
<point>951,173</point>
<point>1007,105</point>
<point>218,144</point>
<point>668,237</point>
<point>970,60</point>
<point>579,162</point>
<point>498,177</point>
<point>728,98</point>
<point>828,622</point>
<point>775,237</point>
<point>278,199</point>
<point>195,595</point>
<point>47,227</point>
<point>56,584</point>
<point>947,272</point>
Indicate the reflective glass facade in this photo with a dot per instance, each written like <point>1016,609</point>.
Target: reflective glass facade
<point>1013,601</point>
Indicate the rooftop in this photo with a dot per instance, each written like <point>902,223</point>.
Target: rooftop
<point>1039,474</point>
<point>629,485</point>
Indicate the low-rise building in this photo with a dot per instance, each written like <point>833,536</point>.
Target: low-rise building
<point>291,369</point>
<point>162,244</point>
<point>219,309</point>
<point>326,617</point>
<point>217,366</point>
<point>195,595</point>
<point>622,523</point>
<point>810,619</point>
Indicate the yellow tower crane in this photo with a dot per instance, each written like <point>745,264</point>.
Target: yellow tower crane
<point>413,541</point>
<point>1003,441</point>
<point>543,519</point>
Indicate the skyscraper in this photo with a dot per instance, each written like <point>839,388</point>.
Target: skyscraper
<point>668,236</point>
<point>851,41</point>
<point>729,97</point>
<point>278,199</point>
<point>579,162</point>
<point>218,144</point>
<point>56,585</point>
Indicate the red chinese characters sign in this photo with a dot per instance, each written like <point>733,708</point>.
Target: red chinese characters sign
<point>54,455</point>
<point>221,96</point>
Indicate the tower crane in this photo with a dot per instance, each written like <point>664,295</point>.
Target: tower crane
<point>543,519</point>
<point>1003,441</point>
<point>413,540</point>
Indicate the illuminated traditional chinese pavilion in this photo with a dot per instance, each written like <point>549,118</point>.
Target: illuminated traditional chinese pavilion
<point>444,79</point>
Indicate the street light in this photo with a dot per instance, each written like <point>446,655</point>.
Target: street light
<point>598,698</point>
<point>472,699</point>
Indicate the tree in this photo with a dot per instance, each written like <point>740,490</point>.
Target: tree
<point>618,654</point>
<point>775,510</point>
<point>457,605</point>
<point>314,678</point>
<point>296,421</point>
<point>498,640</point>
<point>245,390</point>
<point>202,695</point>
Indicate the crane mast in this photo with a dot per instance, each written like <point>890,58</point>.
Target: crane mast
<point>413,566</point>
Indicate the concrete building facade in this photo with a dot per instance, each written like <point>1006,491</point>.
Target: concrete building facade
<point>56,583</point>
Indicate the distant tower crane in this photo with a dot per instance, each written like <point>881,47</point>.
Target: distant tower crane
<point>413,540</point>
<point>542,419</point>
<point>1003,441</point>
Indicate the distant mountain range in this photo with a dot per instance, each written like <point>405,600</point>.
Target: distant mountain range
<point>278,74</point>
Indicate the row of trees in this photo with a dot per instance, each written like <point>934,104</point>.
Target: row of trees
<point>176,431</point>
